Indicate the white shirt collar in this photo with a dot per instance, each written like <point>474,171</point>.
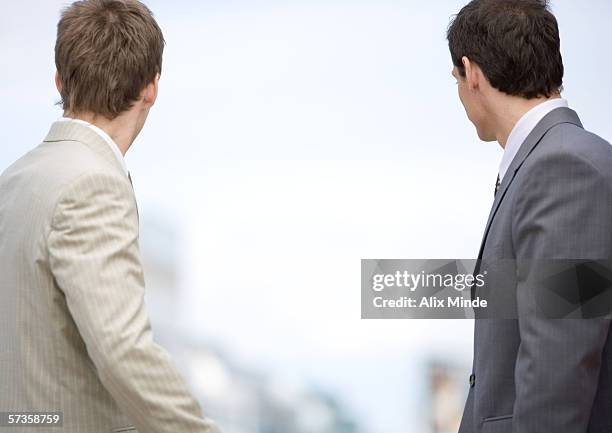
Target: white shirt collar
<point>114,147</point>
<point>523,128</point>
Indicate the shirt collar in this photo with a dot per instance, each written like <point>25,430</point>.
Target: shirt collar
<point>523,128</point>
<point>114,147</point>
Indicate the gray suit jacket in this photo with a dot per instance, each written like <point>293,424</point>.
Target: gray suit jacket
<point>74,333</point>
<point>533,374</point>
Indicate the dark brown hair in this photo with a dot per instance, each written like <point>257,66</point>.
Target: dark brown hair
<point>514,42</point>
<point>106,53</point>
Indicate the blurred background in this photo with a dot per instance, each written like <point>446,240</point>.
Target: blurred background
<point>290,140</point>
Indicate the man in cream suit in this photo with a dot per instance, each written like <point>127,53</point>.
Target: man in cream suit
<point>535,370</point>
<point>75,337</point>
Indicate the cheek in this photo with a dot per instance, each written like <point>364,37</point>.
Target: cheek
<point>463,97</point>
<point>472,109</point>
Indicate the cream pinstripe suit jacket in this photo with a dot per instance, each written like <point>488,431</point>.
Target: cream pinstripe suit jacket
<point>74,333</point>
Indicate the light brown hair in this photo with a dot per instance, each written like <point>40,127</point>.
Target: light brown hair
<point>106,53</point>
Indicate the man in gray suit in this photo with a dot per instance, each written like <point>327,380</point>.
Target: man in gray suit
<point>75,336</point>
<point>533,372</point>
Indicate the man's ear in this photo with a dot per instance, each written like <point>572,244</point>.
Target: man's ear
<point>58,82</point>
<point>149,94</point>
<point>472,72</point>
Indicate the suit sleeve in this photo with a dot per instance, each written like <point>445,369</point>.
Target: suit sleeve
<point>564,211</point>
<point>94,257</point>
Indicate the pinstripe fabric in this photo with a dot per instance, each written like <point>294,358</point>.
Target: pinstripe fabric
<point>533,373</point>
<point>74,333</point>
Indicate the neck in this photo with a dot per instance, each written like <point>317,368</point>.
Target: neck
<point>123,129</point>
<point>510,111</point>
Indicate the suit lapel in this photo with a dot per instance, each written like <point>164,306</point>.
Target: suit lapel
<point>555,117</point>
<point>135,202</point>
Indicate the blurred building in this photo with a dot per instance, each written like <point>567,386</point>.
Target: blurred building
<point>447,387</point>
<point>241,400</point>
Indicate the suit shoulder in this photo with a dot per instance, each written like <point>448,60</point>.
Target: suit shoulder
<point>568,144</point>
<point>52,168</point>
<point>573,140</point>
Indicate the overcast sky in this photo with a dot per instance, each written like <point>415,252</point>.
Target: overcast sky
<point>290,140</point>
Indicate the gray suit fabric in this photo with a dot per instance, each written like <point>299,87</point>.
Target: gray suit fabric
<point>533,374</point>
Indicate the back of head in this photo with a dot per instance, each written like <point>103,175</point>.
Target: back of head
<point>106,53</point>
<point>515,43</point>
